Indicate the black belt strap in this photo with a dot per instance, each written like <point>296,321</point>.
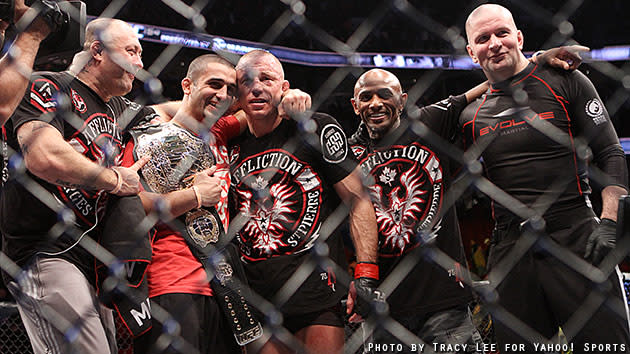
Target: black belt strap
<point>229,284</point>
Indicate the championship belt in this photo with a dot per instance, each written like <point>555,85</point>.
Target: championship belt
<point>176,155</point>
<point>230,289</point>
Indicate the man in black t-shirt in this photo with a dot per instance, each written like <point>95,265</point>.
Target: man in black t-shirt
<point>408,177</point>
<point>286,182</point>
<point>536,130</point>
<point>69,132</point>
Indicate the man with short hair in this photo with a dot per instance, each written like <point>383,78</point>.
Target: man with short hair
<point>284,180</point>
<point>69,130</point>
<point>177,279</point>
<point>532,129</point>
<point>408,177</point>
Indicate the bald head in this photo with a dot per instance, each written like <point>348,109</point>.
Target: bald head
<point>482,12</point>
<point>104,30</point>
<point>379,101</point>
<point>258,55</point>
<point>494,42</point>
<point>379,76</point>
<point>101,30</point>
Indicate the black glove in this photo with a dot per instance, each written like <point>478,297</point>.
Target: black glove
<point>365,282</point>
<point>50,12</point>
<point>601,241</point>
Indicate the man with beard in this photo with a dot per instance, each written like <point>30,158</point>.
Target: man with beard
<point>536,131</point>
<point>408,176</point>
<point>69,131</point>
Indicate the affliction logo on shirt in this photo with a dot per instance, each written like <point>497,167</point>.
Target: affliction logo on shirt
<point>280,198</point>
<point>78,102</point>
<point>406,192</point>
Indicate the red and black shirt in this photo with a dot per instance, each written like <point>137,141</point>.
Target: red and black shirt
<point>93,128</point>
<point>408,177</point>
<point>531,129</point>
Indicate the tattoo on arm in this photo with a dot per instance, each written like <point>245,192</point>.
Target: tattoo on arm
<point>23,146</point>
<point>35,126</point>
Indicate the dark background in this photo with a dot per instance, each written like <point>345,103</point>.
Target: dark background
<point>417,28</point>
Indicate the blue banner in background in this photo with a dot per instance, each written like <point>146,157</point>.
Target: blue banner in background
<point>333,59</point>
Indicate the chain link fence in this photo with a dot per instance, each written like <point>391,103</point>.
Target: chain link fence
<point>369,29</point>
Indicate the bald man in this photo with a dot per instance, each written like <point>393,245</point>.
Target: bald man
<point>408,177</point>
<point>74,167</point>
<point>532,125</point>
<point>287,181</point>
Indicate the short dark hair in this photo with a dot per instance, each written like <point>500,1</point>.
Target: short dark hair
<point>197,66</point>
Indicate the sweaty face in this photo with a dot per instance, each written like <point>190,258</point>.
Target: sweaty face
<point>121,59</point>
<point>213,91</point>
<point>260,86</point>
<point>495,43</point>
<point>378,100</point>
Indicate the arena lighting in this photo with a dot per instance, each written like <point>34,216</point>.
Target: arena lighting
<point>220,44</point>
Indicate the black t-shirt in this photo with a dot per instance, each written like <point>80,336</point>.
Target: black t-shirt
<point>408,176</point>
<point>92,127</point>
<point>281,195</point>
<point>529,149</point>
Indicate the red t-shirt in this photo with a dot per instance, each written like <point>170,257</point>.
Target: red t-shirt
<point>173,268</point>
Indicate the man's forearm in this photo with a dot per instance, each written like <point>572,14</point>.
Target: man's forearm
<point>363,230</point>
<point>15,72</point>
<point>50,158</point>
<point>178,202</point>
<point>476,91</point>
<point>610,201</point>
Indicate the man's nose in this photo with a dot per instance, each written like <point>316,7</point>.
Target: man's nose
<point>495,42</point>
<point>222,93</point>
<point>375,102</point>
<point>256,87</point>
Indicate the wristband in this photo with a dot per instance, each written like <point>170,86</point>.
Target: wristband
<point>119,182</point>
<point>366,270</point>
<point>197,196</point>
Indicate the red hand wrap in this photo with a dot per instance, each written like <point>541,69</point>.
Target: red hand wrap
<point>366,270</point>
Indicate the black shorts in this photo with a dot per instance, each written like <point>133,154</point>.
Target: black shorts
<point>544,291</point>
<point>329,317</point>
<point>319,291</point>
<point>203,326</point>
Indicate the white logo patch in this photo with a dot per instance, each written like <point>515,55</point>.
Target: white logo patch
<point>595,109</point>
<point>334,144</point>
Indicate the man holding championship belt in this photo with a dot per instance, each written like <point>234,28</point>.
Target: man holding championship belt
<point>187,171</point>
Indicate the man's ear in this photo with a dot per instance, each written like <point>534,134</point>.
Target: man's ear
<point>520,39</point>
<point>96,50</point>
<point>471,54</point>
<point>354,105</point>
<point>186,84</point>
<point>403,100</point>
<point>285,86</point>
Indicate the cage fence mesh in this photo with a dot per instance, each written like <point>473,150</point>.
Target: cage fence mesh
<point>374,29</point>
